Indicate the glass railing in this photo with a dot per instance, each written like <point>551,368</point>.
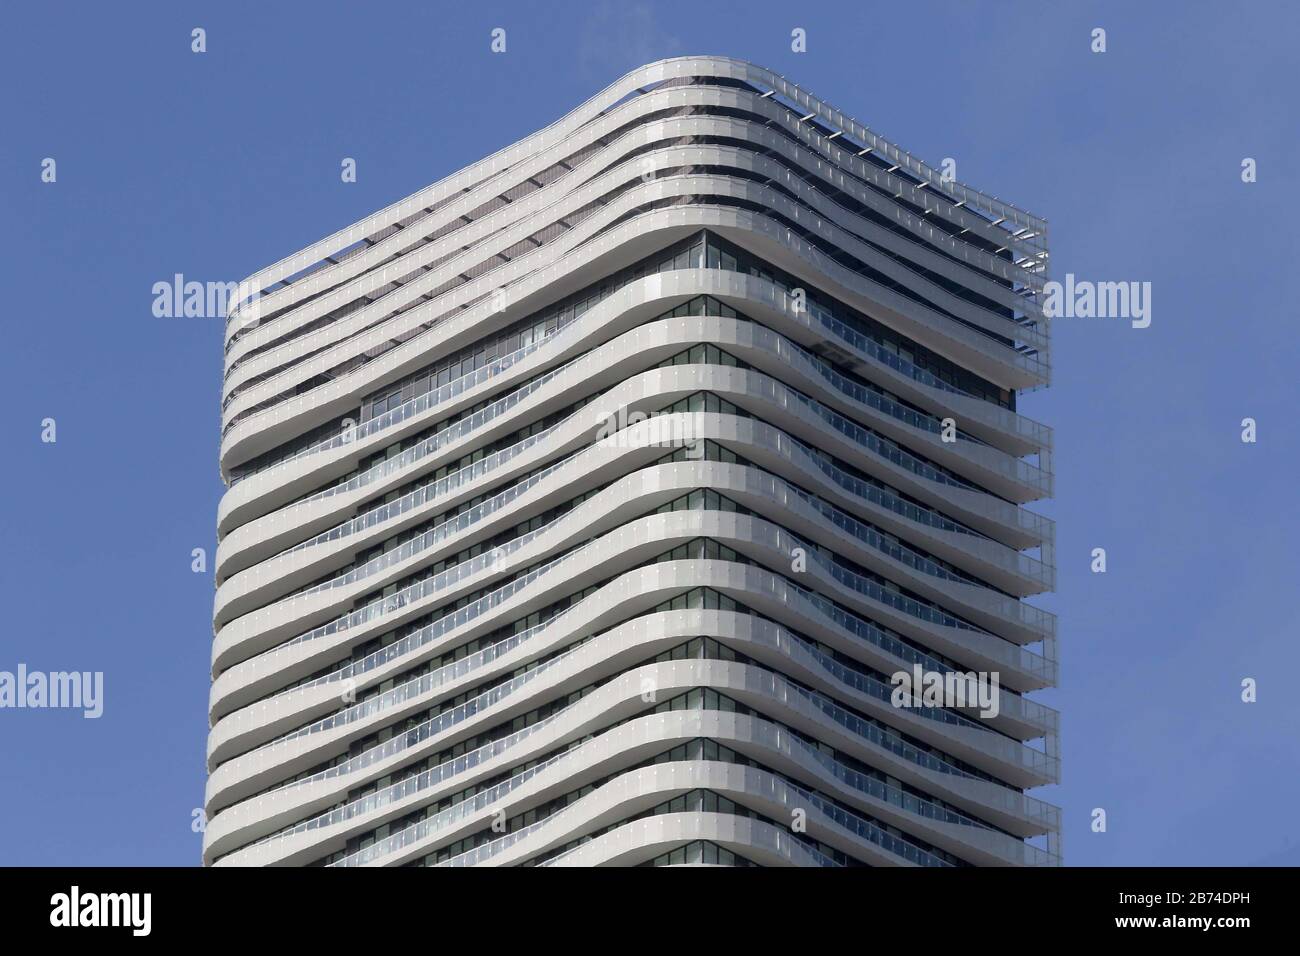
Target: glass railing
<point>429,633</point>
<point>457,430</point>
<point>781,790</point>
<point>425,683</point>
<point>443,393</point>
<point>506,272</point>
<point>1018,611</point>
<point>459,765</point>
<point>878,496</point>
<point>438,821</point>
<point>865,729</point>
<point>969,313</point>
<point>489,559</point>
<point>392,509</point>
<point>1018,657</point>
<point>1026,660</point>
<point>431,585</point>
<point>874,787</point>
<point>882,691</point>
<point>418,497</point>
<point>445,530</point>
<point>427,539</point>
<point>427,729</point>
<point>864,629</point>
<point>863,829</point>
<point>467,381</point>
<point>450,769</point>
<point>977,259</point>
<point>878,592</point>
<point>414,641</point>
<point>994,315</point>
<point>1006,419</point>
<point>861,436</point>
<point>1034,760</point>
<point>887,544</point>
<point>819,858</point>
<point>486,168</point>
<point>486,851</point>
<point>422,495</point>
<point>394,602</point>
<point>430,492</point>
<point>428,400</point>
<point>417,783</point>
<point>779,688</point>
<point>349,289</point>
<point>1029,567</point>
<point>266,662</point>
<point>1015,469</point>
<point>971,256</point>
<point>410,689</point>
<point>368,280</point>
<point>867,534</point>
<point>861,393</point>
<point>1030,361</point>
<point>982,205</point>
<point>766,384</point>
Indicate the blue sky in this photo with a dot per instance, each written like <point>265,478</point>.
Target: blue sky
<point>215,165</point>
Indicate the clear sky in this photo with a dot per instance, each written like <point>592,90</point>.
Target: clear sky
<point>216,164</point>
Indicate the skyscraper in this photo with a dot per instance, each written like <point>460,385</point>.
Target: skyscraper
<point>590,506</point>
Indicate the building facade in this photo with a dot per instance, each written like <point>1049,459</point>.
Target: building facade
<point>585,507</point>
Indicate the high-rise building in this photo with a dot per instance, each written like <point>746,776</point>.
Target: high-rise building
<point>586,506</point>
